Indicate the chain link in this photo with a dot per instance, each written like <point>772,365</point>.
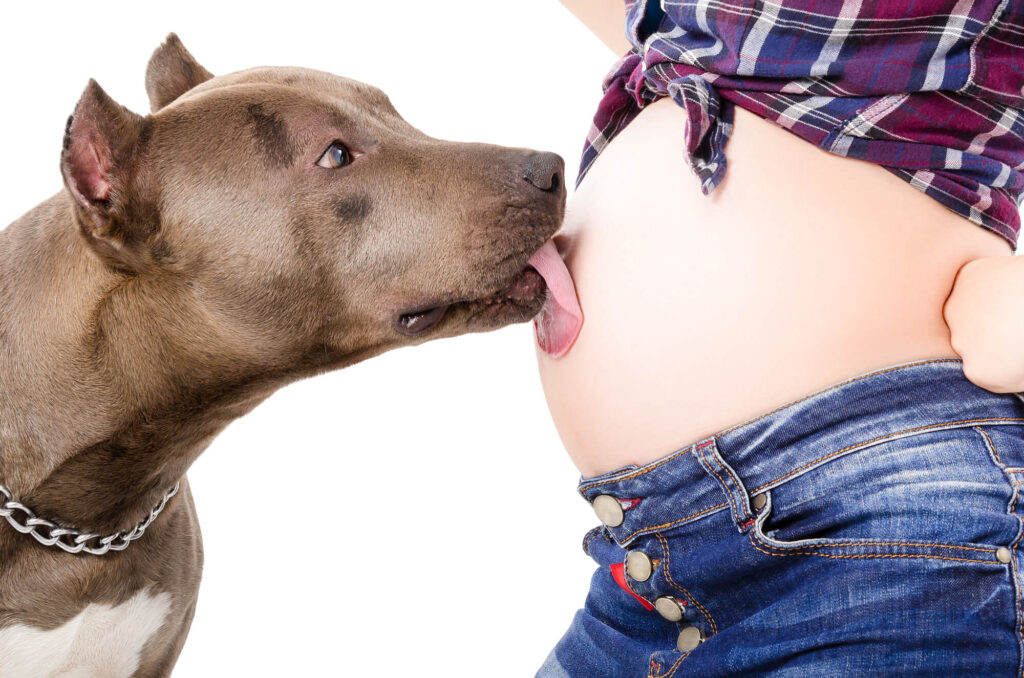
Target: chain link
<point>49,533</point>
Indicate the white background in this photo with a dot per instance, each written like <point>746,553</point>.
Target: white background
<point>415,514</point>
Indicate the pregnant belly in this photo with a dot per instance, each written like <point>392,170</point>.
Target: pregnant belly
<point>800,270</point>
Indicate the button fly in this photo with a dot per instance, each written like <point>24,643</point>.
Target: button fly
<point>609,510</point>
<point>639,565</point>
<point>688,639</point>
<point>669,608</point>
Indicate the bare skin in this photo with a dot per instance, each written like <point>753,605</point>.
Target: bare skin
<point>800,270</point>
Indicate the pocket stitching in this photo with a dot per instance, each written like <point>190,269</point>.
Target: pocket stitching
<point>815,549</point>
<point>814,552</point>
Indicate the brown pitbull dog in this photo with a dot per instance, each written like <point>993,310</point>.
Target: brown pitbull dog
<point>256,228</point>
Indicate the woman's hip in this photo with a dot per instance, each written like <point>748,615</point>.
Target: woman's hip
<point>874,525</point>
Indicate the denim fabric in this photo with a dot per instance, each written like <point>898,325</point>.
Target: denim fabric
<point>888,503</point>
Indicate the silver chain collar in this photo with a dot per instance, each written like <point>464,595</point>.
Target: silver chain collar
<point>50,534</point>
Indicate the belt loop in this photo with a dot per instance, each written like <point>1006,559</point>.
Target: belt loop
<point>711,460</point>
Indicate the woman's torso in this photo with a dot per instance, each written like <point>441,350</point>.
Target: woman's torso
<point>801,269</point>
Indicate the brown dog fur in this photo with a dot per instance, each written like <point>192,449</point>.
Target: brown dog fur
<point>198,260</point>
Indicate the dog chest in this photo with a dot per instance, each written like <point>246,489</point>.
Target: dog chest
<point>101,640</point>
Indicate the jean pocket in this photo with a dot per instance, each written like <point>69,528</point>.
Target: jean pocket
<point>938,493</point>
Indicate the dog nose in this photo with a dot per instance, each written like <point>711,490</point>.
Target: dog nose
<point>544,170</point>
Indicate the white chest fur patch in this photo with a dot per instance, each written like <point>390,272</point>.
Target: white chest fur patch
<point>102,640</point>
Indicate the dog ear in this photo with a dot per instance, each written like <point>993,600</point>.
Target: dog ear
<point>171,72</point>
<point>101,148</point>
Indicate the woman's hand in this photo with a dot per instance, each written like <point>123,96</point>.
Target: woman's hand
<point>985,314</point>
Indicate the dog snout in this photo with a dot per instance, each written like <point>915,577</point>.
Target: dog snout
<point>545,171</point>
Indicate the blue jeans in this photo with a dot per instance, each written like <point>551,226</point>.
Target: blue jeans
<point>871,528</point>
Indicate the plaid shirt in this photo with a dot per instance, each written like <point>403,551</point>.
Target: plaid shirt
<point>931,90</point>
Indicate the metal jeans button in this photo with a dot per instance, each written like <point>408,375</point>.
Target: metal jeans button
<point>639,565</point>
<point>688,639</point>
<point>669,608</point>
<point>609,510</point>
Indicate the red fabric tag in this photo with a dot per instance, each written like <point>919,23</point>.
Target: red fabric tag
<point>619,575</point>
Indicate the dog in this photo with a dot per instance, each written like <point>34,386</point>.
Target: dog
<point>254,229</point>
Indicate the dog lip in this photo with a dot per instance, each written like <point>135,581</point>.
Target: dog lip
<point>416,322</point>
<point>526,285</point>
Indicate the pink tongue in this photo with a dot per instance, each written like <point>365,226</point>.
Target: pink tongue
<point>560,319</point>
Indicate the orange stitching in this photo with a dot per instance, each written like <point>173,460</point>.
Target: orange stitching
<point>881,543</point>
<point>673,584</point>
<point>835,386</point>
<point>674,522</point>
<point>739,485</point>
<point>900,543</point>
<point>675,665</point>
<point>991,446</point>
<point>875,440</point>
<point>1013,567</point>
<point>750,535</point>
<point>1013,550</point>
<point>725,486</point>
<point>590,537</point>
<point>582,490</point>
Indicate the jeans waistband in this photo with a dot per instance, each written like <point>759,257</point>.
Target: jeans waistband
<point>723,471</point>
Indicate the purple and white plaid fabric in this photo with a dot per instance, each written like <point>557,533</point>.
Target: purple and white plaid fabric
<point>931,90</point>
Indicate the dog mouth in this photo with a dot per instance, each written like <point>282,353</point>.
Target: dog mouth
<point>526,291</point>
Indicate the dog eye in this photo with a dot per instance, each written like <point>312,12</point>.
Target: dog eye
<point>335,156</point>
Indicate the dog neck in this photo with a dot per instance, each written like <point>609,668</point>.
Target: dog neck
<point>111,387</point>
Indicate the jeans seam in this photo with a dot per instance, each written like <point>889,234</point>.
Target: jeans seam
<point>716,455</point>
<point>850,448</point>
<point>671,582</point>
<point>813,551</point>
<point>589,537</point>
<point>650,528</point>
<point>1017,591</point>
<point>704,462</point>
<point>647,469</point>
<point>994,453</point>
<point>735,479</point>
<point>886,438</point>
<point>990,446</point>
<point>675,666</point>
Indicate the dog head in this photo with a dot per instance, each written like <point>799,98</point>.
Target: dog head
<point>301,213</point>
